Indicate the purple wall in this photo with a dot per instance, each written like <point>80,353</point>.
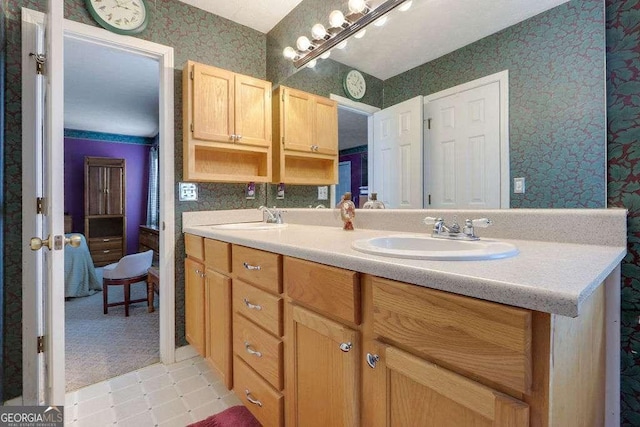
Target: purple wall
<point>137,173</point>
<point>356,172</point>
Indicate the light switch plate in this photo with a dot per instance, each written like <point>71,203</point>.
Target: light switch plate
<point>518,185</point>
<point>187,192</point>
<point>323,193</point>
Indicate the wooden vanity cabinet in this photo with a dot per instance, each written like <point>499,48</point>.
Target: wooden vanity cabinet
<point>226,125</point>
<point>194,292</point>
<point>305,130</point>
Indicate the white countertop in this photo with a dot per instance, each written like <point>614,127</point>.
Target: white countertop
<point>550,277</point>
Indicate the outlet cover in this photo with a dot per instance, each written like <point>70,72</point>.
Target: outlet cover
<point>518,185</point>
<point>187,192</point>
<point>323,193</point>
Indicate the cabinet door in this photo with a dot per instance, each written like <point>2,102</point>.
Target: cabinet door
<point>194,304</point>
<point>95,193</point>
<point>213,99</point>
<point>252,111</point>
<point>297,120</point>
<point>326,126</point>
<point>218,324</point>
<point>402,389</point>
<point>324,382</point>
<point>114,194</point>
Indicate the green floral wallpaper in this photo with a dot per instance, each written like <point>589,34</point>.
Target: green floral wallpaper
<point>623,113</point>
<point>556,100</point>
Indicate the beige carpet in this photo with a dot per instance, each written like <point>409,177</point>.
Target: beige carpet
<point>100,346</point>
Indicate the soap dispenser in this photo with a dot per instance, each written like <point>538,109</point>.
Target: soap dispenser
<point>347,211</point>
<point>373,202</point>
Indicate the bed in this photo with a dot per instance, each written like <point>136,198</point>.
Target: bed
<point>80,278</point>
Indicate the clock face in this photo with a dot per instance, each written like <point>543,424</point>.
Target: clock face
<point>120,16</point>
<point>354,84</point>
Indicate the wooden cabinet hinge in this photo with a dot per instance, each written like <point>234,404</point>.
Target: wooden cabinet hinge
<point>191,127</point>
<point>40,344</point>
<point>191,74</point>
<point>283,140</point>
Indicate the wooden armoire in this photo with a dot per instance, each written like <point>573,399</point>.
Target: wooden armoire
<point>105,222</point>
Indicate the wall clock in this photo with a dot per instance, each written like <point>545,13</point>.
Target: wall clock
<point>354,84</point>
<point>120,16</point>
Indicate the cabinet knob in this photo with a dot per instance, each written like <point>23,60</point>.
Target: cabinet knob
<point>238,137</point>
<point>251,306</point>
<point>251,267</point>
<point>232,137</point>
<point>372,360</point>
<point>251,399</point>
<point>346,347</point>
<point>247,346</point>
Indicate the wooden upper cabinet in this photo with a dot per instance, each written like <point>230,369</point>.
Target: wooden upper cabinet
<point>326,126</point>
<point>105,186</point>
<point>226,126</point>
<point>297,119</point>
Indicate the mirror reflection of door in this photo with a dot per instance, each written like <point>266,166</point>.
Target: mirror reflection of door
<point>353,146</point>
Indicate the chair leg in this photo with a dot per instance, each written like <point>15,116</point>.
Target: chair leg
<point>105,299</point>
<point>150,308</point>
<point>127,298</point>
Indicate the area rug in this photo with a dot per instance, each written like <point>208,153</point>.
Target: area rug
<point>101,346</point>
<point>236,416</point>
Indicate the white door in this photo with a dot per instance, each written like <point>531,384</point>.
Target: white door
<point>344,180</point>
<point>397,155</point>
<point>462,140</point>
<point>43,274</point>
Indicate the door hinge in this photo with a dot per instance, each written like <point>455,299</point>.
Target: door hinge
<point>40,344</point>
<point>428,123</point>
<point>283,140</point>
<point>191,74</point>
<point>40,205</point>
<point>191,127</point>
<point>41,60</point>
<point>429,198</point>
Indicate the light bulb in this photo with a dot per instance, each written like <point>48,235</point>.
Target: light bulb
<point>357,6</point>
<point>303,43</point>
<point>289,52</point>
<point>325,55</point>
<point>380,21</point>
<point>405,6</point>
<point>360,34</point>
<point>336,19</point>
<point>318,31</point>
<point>312,63</point>
<point>342,45</point>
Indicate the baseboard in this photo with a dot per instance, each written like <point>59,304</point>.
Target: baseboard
<point>16,401</point>
<point>184,353</point>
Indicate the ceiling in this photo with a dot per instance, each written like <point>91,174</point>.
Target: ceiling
<point>104,82</point>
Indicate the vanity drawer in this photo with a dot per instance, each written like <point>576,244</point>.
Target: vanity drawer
<point>327,289</point>
<point>259,306</point>
<point>263,269</point>
<point>265,403</point>
<point>478,338</point>
<point>193,246</point>
<point>261,351</point>
<point>217,255</point>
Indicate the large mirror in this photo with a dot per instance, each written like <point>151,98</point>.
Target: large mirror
<point>554,52</point>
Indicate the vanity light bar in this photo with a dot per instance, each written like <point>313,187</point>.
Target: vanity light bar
<point>320,46</point>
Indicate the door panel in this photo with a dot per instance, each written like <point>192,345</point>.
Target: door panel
<point>97,201</point>
<point>213,101</point>
<point>253,111</point>
<point>298,119</point>
<point>194,304</point>
<point>218,322</point>
<point>326,126</point>
<point>115,185</point>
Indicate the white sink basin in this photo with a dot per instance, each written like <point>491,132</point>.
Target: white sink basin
<point>248,226</point>
<point>428,248</point>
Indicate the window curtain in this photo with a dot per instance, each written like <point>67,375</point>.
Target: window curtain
<point>153,198</point>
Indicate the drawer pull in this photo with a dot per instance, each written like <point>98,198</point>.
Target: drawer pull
<point>372,360</point>
<point>251,267</point>
<point>106,252</point>
<point>251,306</point>
<point>106,240</point>
<point>252,399</point>
<point>346,346</point>
<point>247,346</point>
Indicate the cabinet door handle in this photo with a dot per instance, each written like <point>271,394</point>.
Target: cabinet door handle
<point>251,267</point>
<point>232,137</point>
<point>238,137</point>
<point>251,306</point>
<point>372,360</point>
<point>200,273</point>
<point>346,347</point>
<point>247,346</point>
<point>252,399</point>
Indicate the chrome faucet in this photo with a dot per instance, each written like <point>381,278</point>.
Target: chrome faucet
<point>453,231</point>
<point>274,215</point>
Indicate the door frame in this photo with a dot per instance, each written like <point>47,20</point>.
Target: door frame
<point>502,78</point>
<point>165,57</point>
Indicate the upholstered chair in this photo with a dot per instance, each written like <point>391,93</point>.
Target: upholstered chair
<point>129,270</point>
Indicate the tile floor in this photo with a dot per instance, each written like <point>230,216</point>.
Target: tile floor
<point>157,395</point>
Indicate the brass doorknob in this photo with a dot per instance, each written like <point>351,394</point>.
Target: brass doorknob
<point>37,243</point>
<point>74,240</point>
